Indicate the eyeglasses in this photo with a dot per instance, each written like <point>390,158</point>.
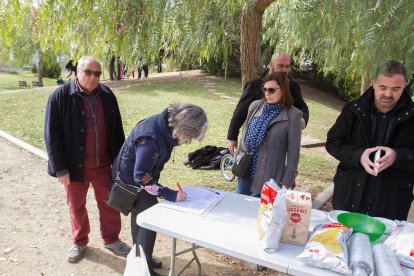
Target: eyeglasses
<point>271,90</point>
<point>89,73</point>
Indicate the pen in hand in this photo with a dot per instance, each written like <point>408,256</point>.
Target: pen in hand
<point>181,195</point>
<point>179,186</point>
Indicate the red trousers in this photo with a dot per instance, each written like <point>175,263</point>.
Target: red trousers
<point>109,218</point>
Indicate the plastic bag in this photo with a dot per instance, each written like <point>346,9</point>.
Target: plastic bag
<point>401,242</point>
<point>272,215</point>
<point>360,255</point>
<point>136,265</point>
<point>327,248</point>
<point>385,261</point>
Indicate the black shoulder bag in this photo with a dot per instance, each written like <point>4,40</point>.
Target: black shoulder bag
<point>241,164</point>
<point>122,196</point>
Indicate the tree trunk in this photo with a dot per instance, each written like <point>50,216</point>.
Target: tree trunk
<point>40,68</point>
<point>365,83</point>
<point>250,38</point>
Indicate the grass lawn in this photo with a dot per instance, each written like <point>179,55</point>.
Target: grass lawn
<point>11,81</point>
<point>22,115</point>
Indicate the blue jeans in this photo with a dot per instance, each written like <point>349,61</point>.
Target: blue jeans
<point>243,187</point>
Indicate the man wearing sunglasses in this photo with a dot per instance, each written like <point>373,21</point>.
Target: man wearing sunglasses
<point>83,134</point>
<point>252,91</point>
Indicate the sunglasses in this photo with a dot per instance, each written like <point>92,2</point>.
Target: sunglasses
<point>270,90</point>
<point>89,73</point>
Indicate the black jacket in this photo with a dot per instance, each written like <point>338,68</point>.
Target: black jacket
<point>64,131</point>
<point>351,134</point>
<point>252,91</point>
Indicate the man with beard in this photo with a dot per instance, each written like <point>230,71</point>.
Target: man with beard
<point>372,139</point>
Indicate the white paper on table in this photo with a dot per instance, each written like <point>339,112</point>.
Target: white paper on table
<point>198,201</point>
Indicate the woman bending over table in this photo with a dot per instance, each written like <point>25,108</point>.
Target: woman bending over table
<point>145,152</point>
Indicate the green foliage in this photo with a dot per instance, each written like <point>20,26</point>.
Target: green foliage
<point>51,67</point>
<point>345,38</point>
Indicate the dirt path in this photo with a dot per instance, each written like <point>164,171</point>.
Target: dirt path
<point>35,229</point>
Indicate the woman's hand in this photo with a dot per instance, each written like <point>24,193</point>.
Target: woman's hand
<point>181,196</point>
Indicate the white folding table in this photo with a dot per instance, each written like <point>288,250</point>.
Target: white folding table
<point>228,228</point>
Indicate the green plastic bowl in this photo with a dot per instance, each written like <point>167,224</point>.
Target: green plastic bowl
<point>361,223</point>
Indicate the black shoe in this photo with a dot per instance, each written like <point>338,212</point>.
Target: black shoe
<point>154,273</point>
<point>156,264</point>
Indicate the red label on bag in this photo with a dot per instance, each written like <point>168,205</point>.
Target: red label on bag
<point>412,253</point>
<point>268,195</point>
<point>295,217</point>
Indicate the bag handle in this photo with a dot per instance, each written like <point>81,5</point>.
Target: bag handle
<point>118,161</point>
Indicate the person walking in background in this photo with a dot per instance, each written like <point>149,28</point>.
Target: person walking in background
<point>83,134</point>
<point>133,72</point>
<point>272,136</point>
<point>145,68</point>
<point>71,68</point>
<point>380,120</point>
<point>144,155</point>
<point>139,67</point>
<point>252,91</point>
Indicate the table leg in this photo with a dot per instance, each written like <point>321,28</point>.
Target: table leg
<point>174,254</point>
<point>173,251</point>
<point>196,258</point>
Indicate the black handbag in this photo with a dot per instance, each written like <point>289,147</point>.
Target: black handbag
<point>241,164</point>
<point>122,196</point>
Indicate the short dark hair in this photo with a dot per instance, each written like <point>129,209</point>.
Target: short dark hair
<point>282,80</point>
<point>389,69</point>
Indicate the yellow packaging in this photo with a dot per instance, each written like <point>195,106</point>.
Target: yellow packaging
<point>299,208</point>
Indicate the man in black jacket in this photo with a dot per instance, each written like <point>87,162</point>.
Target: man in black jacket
<point>381,120</point>
<point>83,134</point>
<point>280,62</point>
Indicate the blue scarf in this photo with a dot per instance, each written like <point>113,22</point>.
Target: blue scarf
<point>257,131</point>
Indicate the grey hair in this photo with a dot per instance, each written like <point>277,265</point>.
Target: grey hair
<point>187,119</point>
<point>390,69</point>
<point>86,59</point>
<point>276,55</point>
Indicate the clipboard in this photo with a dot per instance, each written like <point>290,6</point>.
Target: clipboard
<point>199,200</point>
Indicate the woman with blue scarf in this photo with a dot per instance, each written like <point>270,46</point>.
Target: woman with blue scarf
<point>272,136</point>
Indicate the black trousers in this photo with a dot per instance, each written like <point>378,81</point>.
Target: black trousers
<point>142,236</point>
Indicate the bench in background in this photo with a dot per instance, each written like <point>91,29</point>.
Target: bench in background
<point>23,84</point>
<point>37,84</point>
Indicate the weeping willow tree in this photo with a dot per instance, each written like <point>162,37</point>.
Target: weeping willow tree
<point>345,38</point>
<point>184,31</point>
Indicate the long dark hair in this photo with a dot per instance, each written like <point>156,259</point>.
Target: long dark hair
<point>282,80</point>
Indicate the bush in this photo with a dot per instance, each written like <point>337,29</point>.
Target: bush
<point>51,67</point>
<point>34,69</point>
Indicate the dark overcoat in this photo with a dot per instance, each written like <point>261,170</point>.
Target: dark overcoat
<point>351,134</point>
<point>65,124</point>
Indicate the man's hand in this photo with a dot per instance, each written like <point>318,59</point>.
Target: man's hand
<point>65,180</point>
<point>181,196</point>
<point>368,165</point>
<point>387,160</point>
<point>303,123</point>
<point>231,145</point>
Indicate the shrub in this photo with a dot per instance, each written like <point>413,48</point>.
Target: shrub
<point>51,67</point>
<point>34,69</point>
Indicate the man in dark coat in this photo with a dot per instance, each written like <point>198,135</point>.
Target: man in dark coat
<point>252,91</point>
<point>83,134</point>
<point>381,120</point>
